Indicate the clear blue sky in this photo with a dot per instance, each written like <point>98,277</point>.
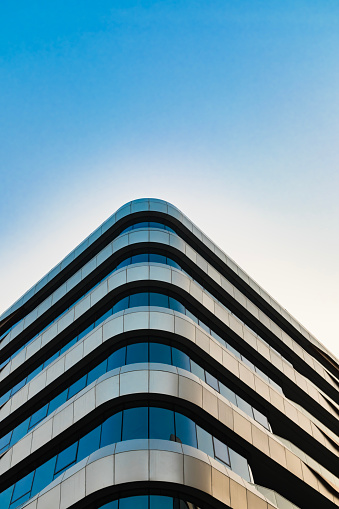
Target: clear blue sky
<point>237,101</point>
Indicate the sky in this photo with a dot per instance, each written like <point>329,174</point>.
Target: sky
<point>227,109</point>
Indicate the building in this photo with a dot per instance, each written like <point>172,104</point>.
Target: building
<point>147,370</point>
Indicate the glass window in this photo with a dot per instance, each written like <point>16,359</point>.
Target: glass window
<point>160,502</point>
<point>140,502</point>
<point>197,370</point>
<point>153,224</point>
<point>19,431</point>
<point>38,416</point>
<point>205,442</point>
<point>66,457</point>
<point>110,505</point>
<point>204,327</point>
<point>180,359</point>
<point>140,258</point>
<point>138,299</point>
<point>68,345</point>
<point>5,440</point>
<point>22,486</point>
<point>89,443</point>
<point>117,359</point>
<point>124,263</point>
<point>161,423</point>
<point>185,430</point>
<point>59,400</point>
<point>5,497</point>
<point>158,299</point>
<point>76,387</point>
<point>18,386</point>
<point>172,263</point>
<point>103,317</point>
<point>96,372</point>
<point>86,331</point>
<point>34,373</point>
<point>248,363</point>
<point>157,258</point>
<point>176,305</point>
<point>212,381</point>
<point>191,316</point>
<point>121,305</point>
<point>111,430</point>
<point>159,353</point>
<point>43,476</point>
<point>221,451</point>
<point>233,350</point>
<point>261,418</point>
<point>137,353</point>
<point>239,465</point>
<point>4,398</point>
<point>244,406</point>
<point>228,394</point>
<point>135,423</point>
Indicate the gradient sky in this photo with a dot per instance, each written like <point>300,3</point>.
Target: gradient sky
<point>227,109</point>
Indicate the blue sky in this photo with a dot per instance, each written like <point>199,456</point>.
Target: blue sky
<point>228,109</point>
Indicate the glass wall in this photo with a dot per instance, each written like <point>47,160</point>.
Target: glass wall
<point>134,423</point>
<point>149,502</point>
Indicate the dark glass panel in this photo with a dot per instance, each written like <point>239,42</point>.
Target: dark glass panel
<point>121,305</point>
<point>239,465</point>
<point>22,486</point>
<point>160,502</point>
<point>5,497</point>
<point>153,224</point>
<point>143,224</point>
<point>38,416</point>
<point>140,502</point>
<point>228,394</point>
<point>4,398</point>
<point>18,386</point>
<point>124,263</point>
<point>43,476</point>
<point>221,451</point>
<point>77,386</point>
<point>135,423</point>
<point>96,372</point>
<point>157,258</point>
<point>172,263</point>
<point>137,353</point>
<point>158,299</point>
<point>161,423</point>
<point>89,443</point>
<point>140,258</point>
<point>159,353</point>
<point>176,305</point>
<point>111,430</point>
<point>139,299</point>
<point>117,359</point>
<point>185,430</point>
<point>66,458</point>
<point>110,505</point>
<point>205,442</point>
<point>180,359</point>
<point>212,381</point>
<point>59,400</point>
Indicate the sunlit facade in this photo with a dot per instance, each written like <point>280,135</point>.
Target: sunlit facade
<point>147,370</point>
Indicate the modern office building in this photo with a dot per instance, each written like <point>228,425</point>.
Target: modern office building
<point>147,370</point>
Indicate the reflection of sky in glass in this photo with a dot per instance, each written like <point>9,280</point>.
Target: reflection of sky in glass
<point>237,102</point>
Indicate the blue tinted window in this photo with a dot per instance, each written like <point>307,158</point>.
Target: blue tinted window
<point>244,406</point>
<point>34,373</point>
<point>140,258</point>
<point>191,316</point>
<point>43,476</point>
<point>159,353</point>
<point>124,263</point>
<point>86,331</point>
<point>111,430</point>
<point>197,370</point>
<point>4,398</point>
<point>38,416</point>
<point>77,386</point>
<point>66,457</point>
<point>140,502</point>
<point>5,497</point>
<point>212,381</point>
<point>143,224</point>
<point>261,418</point>
<point>18,386</point>
<point>172,263</point>
<point>110,505</point>
<point>19,431</point>
<point>121,305</point>
<point>158,299</point>
<point>117,359</point>
<point>161,423</point>
<point>135,423</point>
<point>185,430</point>
<point>221,451</point>
<point>180,359</point>
<point>5,440</point>
<point>159,502</point>
<point>153,224</point>
<point>137,353</point>
<point>23,486</point>
<point>228,394</point>
<point>89,443</point>
<point>68,345</point>
<point>157,258</point>
<point>176,305</point>
<point>103,317</point>
<point>96,372</point>
<point>59,400</point>
<point>138,299</point>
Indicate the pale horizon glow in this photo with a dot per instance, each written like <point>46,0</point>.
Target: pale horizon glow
<point>228,111</point>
